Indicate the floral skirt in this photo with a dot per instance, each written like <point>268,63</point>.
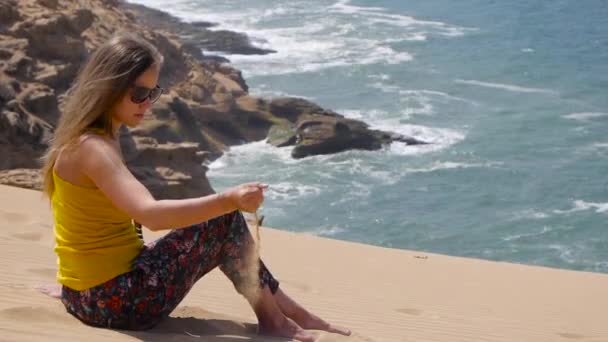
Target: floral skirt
<point>165,271</point>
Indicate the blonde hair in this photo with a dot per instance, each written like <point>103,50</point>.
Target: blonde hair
<point>99,86</point>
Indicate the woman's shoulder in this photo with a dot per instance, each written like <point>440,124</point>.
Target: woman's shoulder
<point>73,161</point>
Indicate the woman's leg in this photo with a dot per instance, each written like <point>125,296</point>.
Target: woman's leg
<point>288,306</point>
<point>172,264</point>
<point>303,317</point>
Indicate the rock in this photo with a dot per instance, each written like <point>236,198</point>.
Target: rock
<point>292,108</point>
<point>5,54</point>
<point>8,13</point>
<point>23,178</point>
<point>20,66</point>
<point>175,67</point>
<point>169,170</point>
<point>22,139</point>
<point>56,76</point>
<point>281,135</point>
<point>52,38</point>
<point>52,4</point>
<point>12,44</point>
<point>41,101</point>
<point>81,19</point>
<point>7,92</point>
<point>325,134</point>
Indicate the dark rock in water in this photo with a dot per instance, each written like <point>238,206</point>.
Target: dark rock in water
<point>314,130</point>
<point>326,134</point>
<point>203,24</point>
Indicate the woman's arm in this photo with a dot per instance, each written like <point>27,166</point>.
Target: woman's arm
<point>101,162</point>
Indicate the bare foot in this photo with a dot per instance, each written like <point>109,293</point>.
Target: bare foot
<point>308,320</point>
<point>285,328</point>
<point>305,318</point>
<point>52,290</point>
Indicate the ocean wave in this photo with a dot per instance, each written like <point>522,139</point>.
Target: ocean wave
<point>265,91</point>
<point>287,191</point>
<point>438,138</point>
<point>299,54</point>
<point>600,145</point>
<point>326,231</point>
<point>438,165</point>
<point>545,230</point>
<point>309,37</point>
<point>580,205</point>
<point>417,101</point>
<point>378,15</point>
<point>530,214</point>
<point>247,154</point>
<point>508,87</point>
<point>585,116</point>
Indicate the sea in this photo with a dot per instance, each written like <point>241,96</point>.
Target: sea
<point>512,95</point>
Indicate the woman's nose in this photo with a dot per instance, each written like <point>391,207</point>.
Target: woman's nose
<point>145,105</point>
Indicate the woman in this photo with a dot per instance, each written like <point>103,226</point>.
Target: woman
<point>109,278</point>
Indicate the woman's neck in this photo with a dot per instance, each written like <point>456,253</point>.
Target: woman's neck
<point>116,128</point>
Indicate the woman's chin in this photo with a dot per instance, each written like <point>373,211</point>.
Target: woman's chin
<point>133,124</point>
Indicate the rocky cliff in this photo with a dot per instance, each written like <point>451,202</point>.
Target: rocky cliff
<point>206,107</point>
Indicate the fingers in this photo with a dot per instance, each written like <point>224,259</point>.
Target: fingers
<point>258,185</point>
<point>252,196</point>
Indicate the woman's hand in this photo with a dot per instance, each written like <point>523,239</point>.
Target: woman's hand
<point>246,197</point>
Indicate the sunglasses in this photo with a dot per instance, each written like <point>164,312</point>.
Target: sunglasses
<point>140,94</point>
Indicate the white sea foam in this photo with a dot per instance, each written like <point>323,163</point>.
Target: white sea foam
<point>286,191</point>
<point>379,15</point>
<point>438,138</point>
<point>600,145</point>
<point>580,205</point>
<point>384,77</point>
<point>530,214</point>
<point>546,229</point>
<point>566,253</point>
<point>508,87</point>
<point>309,37</point>
<point>299,54</point>
<point>248,154</point>
<point>265,91</point>
<point>326,231</point>
<point>585,116</point>
<point>438,165</point>
<point>419,101</point>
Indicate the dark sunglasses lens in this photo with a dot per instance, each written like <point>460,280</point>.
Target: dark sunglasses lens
<point>155,94</point>
<point>140,94</point>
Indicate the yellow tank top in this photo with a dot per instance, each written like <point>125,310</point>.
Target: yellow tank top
<point>95,240</point>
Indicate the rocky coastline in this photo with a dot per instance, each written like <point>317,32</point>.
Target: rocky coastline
<point>205,109</point>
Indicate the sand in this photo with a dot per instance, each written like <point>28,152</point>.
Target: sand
<point>381,294</point>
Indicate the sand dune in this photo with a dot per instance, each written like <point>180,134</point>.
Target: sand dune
<point>382,294</point>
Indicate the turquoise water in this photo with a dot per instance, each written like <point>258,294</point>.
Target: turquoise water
<point>512,95</point>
